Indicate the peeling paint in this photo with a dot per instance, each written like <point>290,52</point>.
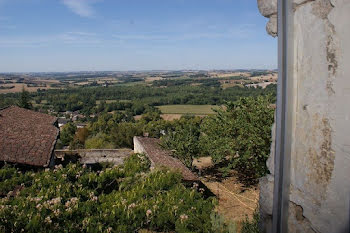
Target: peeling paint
<point>320,160</point>
<point>302,224</point>
<point>321,9</point>
<point>319,200</point>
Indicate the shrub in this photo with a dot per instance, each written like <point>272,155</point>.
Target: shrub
<point>119,199</point>
<point>251,226</point>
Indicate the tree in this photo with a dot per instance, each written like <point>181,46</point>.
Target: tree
<point>99,141</point>
<point>241,134</point>
<point>24,101</point>
<point>183,139</point>
<point>67,133</point>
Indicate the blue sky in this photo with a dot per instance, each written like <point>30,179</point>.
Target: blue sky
<point>93,35</point>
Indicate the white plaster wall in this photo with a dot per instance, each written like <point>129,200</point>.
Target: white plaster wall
<point>320,165</point>
<point>138,148</point>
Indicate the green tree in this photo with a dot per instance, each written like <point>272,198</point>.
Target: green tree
<point>24,100</point>
<point>67,133</point>
<point>99,141</point>
<point>242,135</point>
<point>183,139</point>
<point>123,134</point>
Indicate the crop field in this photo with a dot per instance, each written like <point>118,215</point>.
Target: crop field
<point>19,86</point>
<point>188,109</point>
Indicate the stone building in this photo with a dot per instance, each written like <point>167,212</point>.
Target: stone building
<point>319,188</point>
<point>27,137</point>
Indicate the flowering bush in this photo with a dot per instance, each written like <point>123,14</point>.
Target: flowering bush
<point>125,198</point>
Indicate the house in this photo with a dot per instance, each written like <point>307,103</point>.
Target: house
<point>27,137</point>
<point>62,121</point>
<point>81,125</point>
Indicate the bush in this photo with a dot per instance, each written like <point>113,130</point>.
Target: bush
<point>120,199</point>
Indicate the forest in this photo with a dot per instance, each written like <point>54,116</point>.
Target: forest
<point>135,98</point>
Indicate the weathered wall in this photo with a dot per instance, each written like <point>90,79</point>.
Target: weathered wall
<point>320,162</point>
<point>91,156</point>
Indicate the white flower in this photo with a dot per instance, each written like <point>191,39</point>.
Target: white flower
<point>132,205</point>
<point>48,220</point>
<point>57,212</point>
<point>183,217</point>
<point>148,212</point>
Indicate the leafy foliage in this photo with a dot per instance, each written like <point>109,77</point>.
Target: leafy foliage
<point>66,135</point>
<point>120,199</point>
<point>241,134</point>
<point>251,226</point>
<point>237,137</point>
<point>183,139</point>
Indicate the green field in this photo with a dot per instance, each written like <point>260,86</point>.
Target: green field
<point>188,109</point>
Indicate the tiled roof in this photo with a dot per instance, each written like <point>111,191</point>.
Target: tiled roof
<point>26,137</point>
<point>162,157</point>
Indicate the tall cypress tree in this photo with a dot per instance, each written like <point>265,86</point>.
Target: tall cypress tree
<point>24,100</point>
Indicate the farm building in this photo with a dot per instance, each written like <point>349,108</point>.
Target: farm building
<point>27,137</point>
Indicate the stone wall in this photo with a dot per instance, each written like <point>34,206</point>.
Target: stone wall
<point>320,160</point>
<point>91,156</point>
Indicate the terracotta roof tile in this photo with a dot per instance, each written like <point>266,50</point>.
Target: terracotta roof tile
<point>26,136</point>
<point>162,157</point>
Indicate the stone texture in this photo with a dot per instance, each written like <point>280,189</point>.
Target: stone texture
<point>27,137</point>
<point>268,8</point>
<point>320,162</point>
<point>271,26</point>
<point>91,156</point>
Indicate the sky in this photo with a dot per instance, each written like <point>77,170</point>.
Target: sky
<point>121,35</point>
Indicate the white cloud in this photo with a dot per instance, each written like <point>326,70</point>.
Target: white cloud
<point>80,7</point>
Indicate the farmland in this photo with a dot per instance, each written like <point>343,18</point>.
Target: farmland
<point>188,109</point>
<point>14,82</point>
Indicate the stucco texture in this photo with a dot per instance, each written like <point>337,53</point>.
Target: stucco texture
<point>320,160</point>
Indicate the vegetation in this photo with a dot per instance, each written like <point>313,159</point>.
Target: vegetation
<point>139,97</point>
<point>24,101</point>
<point>238,137</point>
<point>128,198</point>
<point>251,226</point>
<point>183,139</point>
<point>119,199</point>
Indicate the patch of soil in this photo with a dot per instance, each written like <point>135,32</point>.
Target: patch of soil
<point>236,201</point>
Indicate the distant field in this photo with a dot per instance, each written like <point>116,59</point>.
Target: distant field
<point>19,86</point>
<point>188,109</point>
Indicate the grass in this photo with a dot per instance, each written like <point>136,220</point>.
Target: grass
<point>188,109</point>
